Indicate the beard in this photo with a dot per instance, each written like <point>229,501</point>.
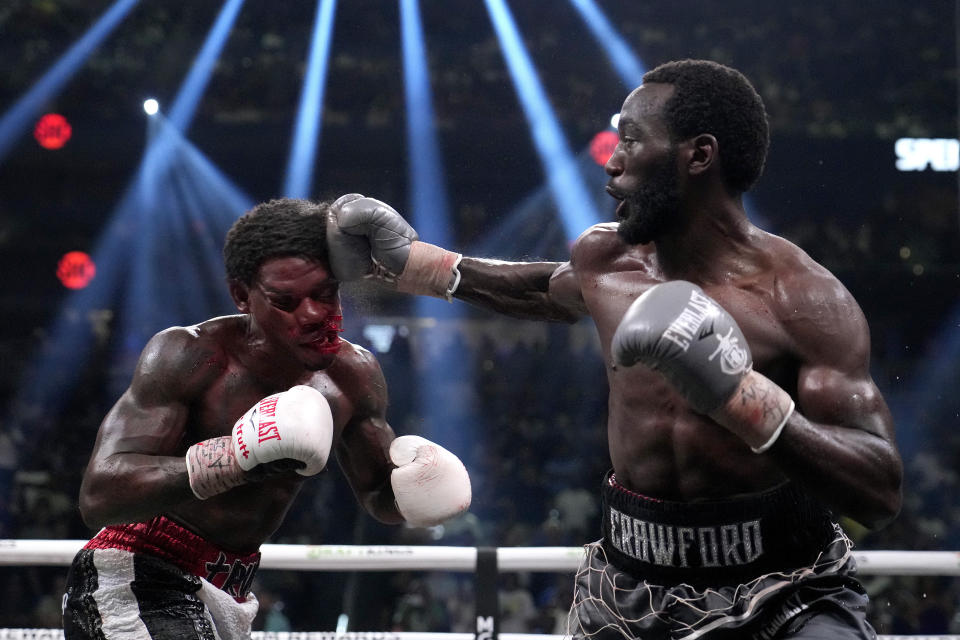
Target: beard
<point>654,207</point>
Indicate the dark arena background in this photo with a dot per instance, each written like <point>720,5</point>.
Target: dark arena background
<point>133,133</point>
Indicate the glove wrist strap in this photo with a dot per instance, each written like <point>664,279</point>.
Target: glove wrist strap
<point>757,412</point>
<point>212,467</point>
<point>430,270</point>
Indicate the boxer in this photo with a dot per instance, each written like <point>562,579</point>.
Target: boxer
<point>743,419</point>
<point>199,460</point>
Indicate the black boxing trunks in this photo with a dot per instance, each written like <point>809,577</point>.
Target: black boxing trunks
<point>157,579</point>
<point>758,567</point>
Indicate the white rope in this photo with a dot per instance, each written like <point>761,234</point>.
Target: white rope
<point>400,558</point>
<point>57,634</point>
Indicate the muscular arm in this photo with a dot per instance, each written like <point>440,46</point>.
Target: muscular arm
<point>137,468</point>
<point>363,449</point>
<point>368,238</point>
<point>527,290</point>
<point>840,441</point>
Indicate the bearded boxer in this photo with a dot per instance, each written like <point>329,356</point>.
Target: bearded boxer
<point>743,419</point>
<point>199,460</point>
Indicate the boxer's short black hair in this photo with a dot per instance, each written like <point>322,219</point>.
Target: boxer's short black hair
<point>278,228</point>
<point>711,98</point>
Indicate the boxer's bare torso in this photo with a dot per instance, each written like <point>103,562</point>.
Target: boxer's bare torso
<point>193,383</point>
<point>804,329</point>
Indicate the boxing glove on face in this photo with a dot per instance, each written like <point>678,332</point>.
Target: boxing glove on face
<point>681,332</point>
<point>364,233</point>
<point>430,484</point>
<point>367,237</point>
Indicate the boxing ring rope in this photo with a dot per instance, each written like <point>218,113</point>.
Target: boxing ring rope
<point>447,558</point>
<point>426,558</point>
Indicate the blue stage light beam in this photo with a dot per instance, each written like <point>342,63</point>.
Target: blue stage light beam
<point>158,264</point>
<point>429,202</point>
<point>16,121</point>
<point>566,184</point>
<point>134,257</point>
<point>150,302</point>
<point>306,135</point>
<point>530,229</point>
<point>182,212</point>
<point>429,209</point>
<point>621,56</point>
<point>192,88</point>
<point>211,186</point>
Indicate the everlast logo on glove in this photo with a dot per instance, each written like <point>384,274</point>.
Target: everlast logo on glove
<point>261,417</point>
<point>268,430</point>
<point>734,358</point>
<point>683,330</point>
<point>678,330</point>
<point>295,424</point>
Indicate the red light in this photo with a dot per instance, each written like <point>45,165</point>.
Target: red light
<point>602,146</point>
<point>52,131</point>
<point>76,269</point>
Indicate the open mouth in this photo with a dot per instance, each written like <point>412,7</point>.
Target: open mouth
<point>327,342</point>
<point>614,193</point>
<point>620,197</point>
<point>327,337</point>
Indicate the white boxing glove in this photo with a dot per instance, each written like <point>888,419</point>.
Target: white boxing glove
<point>295,424</point>
<point>430,484</point>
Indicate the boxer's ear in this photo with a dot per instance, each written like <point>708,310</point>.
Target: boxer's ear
<point>240,293</point>
<point>703,153</point>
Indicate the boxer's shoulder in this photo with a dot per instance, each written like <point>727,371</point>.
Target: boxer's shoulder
<point>357,375</point>
<point>816,311</point>
<point>597,238</point>
<point>356,366</point>
<point>602,249</point>
<point>215,333</point>
<point>353,357</point>
<point>786,261</point>
<point>800,282</point>
<point>189,356</point>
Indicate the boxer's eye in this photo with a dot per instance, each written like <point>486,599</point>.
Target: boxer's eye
<point>284,304</point>
<point>327,294</point>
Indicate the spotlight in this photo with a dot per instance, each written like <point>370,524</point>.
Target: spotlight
<point>576,206</point>
<point>615,120</point>
<point>151,106</point>
<point>621,56</point>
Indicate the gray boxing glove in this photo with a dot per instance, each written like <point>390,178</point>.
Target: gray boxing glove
<point>367,237</point>
<point>678,330</point>
<point>681,332</point>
